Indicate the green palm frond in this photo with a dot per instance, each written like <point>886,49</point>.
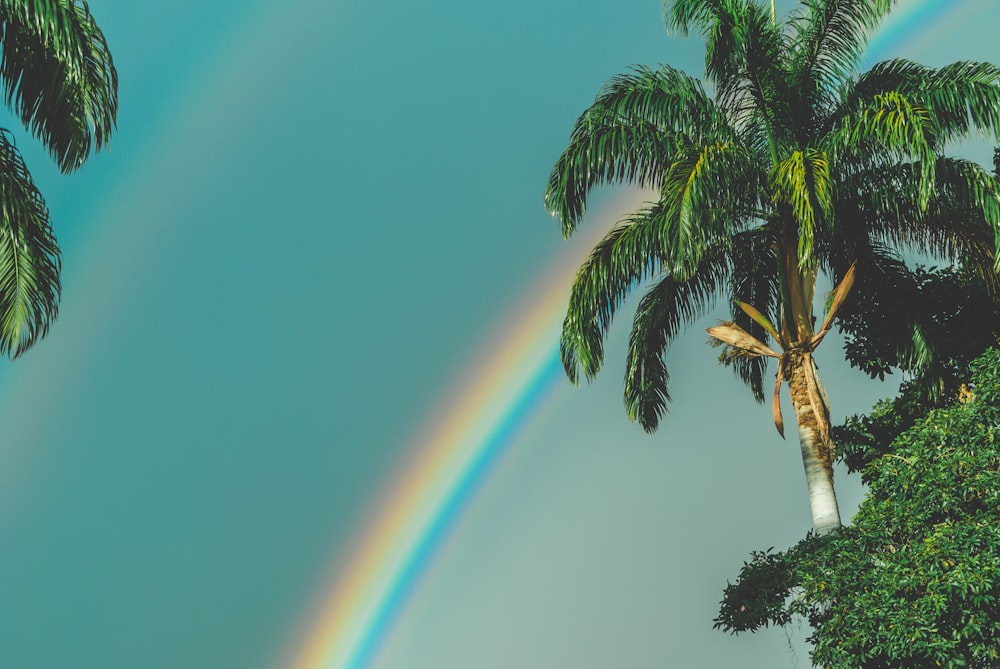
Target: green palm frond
<point>887,129</point>
<point>629,253</point>
<point>606,154</point>
<point>29,256</point>
<point>745,56</point>
<point>961,221</point>
<point>802,181</point>
<point>828,38</point>
<point>707,193</point>
<point>685,16</point>
<point>628,135</point>
<point>887,76</point>
<point>964,97</point>
<point>59,76</point>
<point>663,311</point>
<point>666,97</point>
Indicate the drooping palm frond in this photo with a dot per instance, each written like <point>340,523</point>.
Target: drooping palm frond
<point>663,311</point>
<point>29,256</point>
<point>802,181</point>
<point>887,129</point>
<point>962,220</point>
<point>629,253</point>
<point>708,192</point>
<point>629,135</point>
<point>59,76</point>
<point>964,98</point>
<point>685,16</point>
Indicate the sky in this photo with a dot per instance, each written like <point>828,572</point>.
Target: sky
<point>319,222</point>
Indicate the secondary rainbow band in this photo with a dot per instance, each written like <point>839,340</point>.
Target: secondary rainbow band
<point>482,418</point>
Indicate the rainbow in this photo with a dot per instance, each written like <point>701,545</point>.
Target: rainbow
<point>478,420</point>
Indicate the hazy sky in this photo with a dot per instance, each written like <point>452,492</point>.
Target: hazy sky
<point>314,214</point>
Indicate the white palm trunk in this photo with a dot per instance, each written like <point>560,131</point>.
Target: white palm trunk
<point>813,418</point>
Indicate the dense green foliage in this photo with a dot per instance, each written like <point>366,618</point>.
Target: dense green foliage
<point>915,330</point>
<point>60,81</point>
<point>915,580</point>
<point>911,324</point>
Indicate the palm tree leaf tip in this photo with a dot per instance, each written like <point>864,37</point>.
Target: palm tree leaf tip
<point>59,75</point>
<point>29,257</point>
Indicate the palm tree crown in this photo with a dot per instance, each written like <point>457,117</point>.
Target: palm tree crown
<point>59,78</point>
<point>796,163</point>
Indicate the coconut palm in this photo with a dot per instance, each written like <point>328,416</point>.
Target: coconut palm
<point>795,165</point>
<point>59,78</point>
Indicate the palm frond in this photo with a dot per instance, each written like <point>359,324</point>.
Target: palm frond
<point>828,40</point>
<point>707,194</point>
<point>666,308</point>
<point>802,181</point>
<point>59,76</point>
<point>629,253</point>
<point>886,129</point>
<point>745,56</point>
<point>629,134</point>
<point>29,256</point>
<point>964,98</point>
<point>741,341</point>
<point>837,298</point>
<point>961,221</point>
<point>685,16</point>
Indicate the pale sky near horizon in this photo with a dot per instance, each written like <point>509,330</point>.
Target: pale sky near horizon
<point>313,215</point>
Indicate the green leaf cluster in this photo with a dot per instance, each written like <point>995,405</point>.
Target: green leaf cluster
<point>58,77</point>
<point>912,325</point>
<point>915,580</point>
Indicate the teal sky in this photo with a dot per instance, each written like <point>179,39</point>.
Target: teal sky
<point>313,216</point>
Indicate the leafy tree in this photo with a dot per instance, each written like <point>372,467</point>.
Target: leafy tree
<point>912,327</point>
<point>796,164</point>
<point>915,580</point>
<point>59,79</point>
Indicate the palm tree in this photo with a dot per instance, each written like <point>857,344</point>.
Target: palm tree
<point>59,78</point>
<point>797,164</point>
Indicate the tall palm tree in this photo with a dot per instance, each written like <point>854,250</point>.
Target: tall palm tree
<point>59,78</point>
<point>796,164</point>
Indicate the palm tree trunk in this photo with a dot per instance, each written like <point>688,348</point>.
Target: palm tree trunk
<point>813,417</point>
